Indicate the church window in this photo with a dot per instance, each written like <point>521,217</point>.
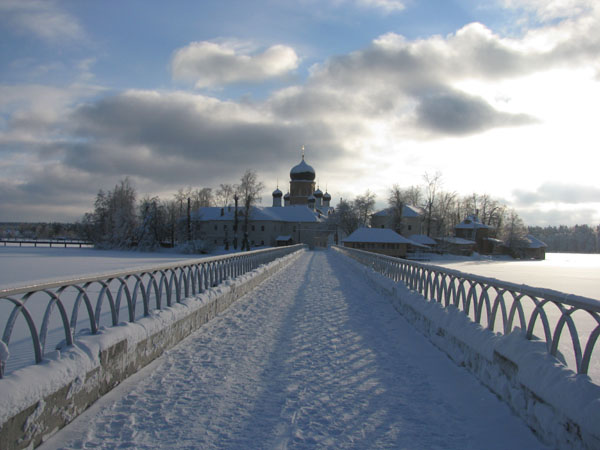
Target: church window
<point>262,228</point>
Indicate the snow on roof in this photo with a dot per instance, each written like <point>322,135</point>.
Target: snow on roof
<point>294,213</point>
<point>407,211</point>
<point>423,239</point>
<point>472,222</point>
<point>535,242</point>
<point>457,240</point>
<point>377,235</point>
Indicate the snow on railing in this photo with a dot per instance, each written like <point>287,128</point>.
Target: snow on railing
<point>28,310</point>
<point>501,306</point>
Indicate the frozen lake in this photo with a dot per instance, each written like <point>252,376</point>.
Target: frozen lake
<point>566,272</point>
<point>25,265</point>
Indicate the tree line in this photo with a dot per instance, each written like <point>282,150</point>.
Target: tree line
<point>565,239</point>
<point>441,210</point>
<point>119,220</point>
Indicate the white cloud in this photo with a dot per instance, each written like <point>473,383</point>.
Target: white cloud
<point>209,64</point>
<point>548,10</point>
<point>387,6</point>
<point>42,19</point>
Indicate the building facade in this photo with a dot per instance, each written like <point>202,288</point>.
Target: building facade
<point>412,220</point>
<point>300,218</point>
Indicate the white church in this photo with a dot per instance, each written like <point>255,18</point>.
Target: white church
<point>300,218</point>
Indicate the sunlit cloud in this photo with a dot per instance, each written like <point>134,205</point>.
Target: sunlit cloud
<point>209,64</point>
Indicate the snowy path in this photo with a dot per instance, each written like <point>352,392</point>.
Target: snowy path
<point>313,358</point>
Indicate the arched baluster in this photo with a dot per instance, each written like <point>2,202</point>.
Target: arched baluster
<point>105,291</point>
<point>54,300</point>
<point>565,317</point>
<point>153,286</point>
<point>589,348</point>
<point>539,311</point>
<point>472,298</point>
<point>130,301</point>
<point>499,302</point>
<point>164,285</point>
<point>193,273</point>
<point>516,307</point>
<point>462,295</point>
<point>82,295</point>
<point>174,284</point>
<point>484,300</point>
<point>138,287</point>
<point>20,308</point>
<point>206,276</point>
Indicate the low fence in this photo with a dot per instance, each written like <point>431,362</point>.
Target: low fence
<point>108,299</point>
<point>46,242</point>
<point>502,306</point>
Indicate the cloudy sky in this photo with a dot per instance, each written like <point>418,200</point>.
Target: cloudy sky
<point>501,97</point>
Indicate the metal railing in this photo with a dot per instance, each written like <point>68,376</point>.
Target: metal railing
<point>46,242</point>
<point>501,306</point>
<point>113,297</point>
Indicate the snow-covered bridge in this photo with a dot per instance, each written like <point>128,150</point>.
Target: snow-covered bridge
<point>314,357</point>
<point>318,355</point>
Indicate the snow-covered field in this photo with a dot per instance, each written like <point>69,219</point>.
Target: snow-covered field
<point>23,265</point>
<point>289,367</point>
<point>566,272</point>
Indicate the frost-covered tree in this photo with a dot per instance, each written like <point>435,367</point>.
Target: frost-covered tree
<point>113,222</point>
<point>364,206</point>
<point>345,217</point>
<point>152,230</point>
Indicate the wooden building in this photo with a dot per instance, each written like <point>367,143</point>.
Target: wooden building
<point>379,240</point>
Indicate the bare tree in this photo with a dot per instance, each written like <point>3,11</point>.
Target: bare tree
<point>181,197</point>
<point>432,185</point>
<point>443,213</point>
<point>224,195</point>
<point>514,232</point>
<point>413,195</point>
<point>396,202</point>
<point>346,217</point>
<point>248,191</point>
<point>171,218</point>
<point>202,197</point>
